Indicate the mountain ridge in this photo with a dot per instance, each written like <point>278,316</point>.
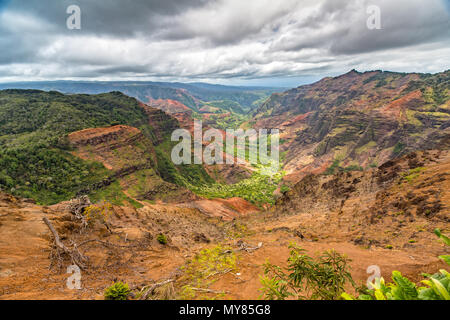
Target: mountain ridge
<point>357,119</point>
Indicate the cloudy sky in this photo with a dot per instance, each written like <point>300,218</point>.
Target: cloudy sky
<point>264,42</point>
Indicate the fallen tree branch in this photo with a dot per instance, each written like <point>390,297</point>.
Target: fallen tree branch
<point>216,273</point>
<point>106,244</point>
<point>74,254</point>
<point>152,288</point>
<point>244,246</point>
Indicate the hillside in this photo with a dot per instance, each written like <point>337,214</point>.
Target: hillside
<point>219,106</point>
<point>358,120</point>
<point>44,156</point>
<point>193,95</point>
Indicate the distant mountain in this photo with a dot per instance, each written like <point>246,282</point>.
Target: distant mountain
<point>358,120</point>
<point>193,95</point>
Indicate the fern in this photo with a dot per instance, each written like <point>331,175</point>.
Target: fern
<point>443,237</point>
<point>403,288</point>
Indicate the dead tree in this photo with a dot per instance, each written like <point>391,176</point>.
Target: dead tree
<point>74,254</point>
<point>77,207</point>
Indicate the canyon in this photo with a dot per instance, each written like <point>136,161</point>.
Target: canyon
<point>365,170</point>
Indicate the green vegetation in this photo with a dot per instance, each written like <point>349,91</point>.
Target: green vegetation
<point>398,149</point>
<point>35,155</point>
<point>332,169</point>
<point>97,213</point>
<point>327,276</point>
<point>162,239</point>
<point>335,167</point>
<point>446,240</point>
<point>48,175</point>
<point>118,291</point>
<point>284,188</point>
<point>413,174</point>
<point>434,87</point>
<point>307,278</point>
<point>237,230</point>
<point>198,273</point>
<point>35,158</point>
<point>353,167</point>
<point>226,121</point>
<point>182,175</point>
<point>258,189</point>
<point>228,105</point>
<point>44,118</point>
<point>113,193</point>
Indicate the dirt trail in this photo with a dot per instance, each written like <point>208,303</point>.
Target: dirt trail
<point>24,249</point>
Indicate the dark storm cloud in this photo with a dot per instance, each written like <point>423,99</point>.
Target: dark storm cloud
<point>107,17</point>
<point>219,39</point>
<point>403,24</point>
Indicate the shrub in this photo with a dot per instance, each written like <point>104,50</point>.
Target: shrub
<point>162,239</point>
<point>323,278</point>
<point>332,169</point>
<point>398,149</point>
<point>201,271</point>
<point>118,291</point>
<point>284,188</point>
<point>99,212</point>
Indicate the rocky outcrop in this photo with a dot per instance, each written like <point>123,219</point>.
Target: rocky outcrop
<point>118,148</point>
<point>358,119</point>
<point>390,187</point>
<point>162,123</point>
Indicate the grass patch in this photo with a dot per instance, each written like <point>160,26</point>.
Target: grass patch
<point>258,189</point>
<point>199,272</point>
<point>413,174</point>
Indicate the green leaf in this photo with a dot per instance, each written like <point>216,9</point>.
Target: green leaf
<point>446,259</point>
<point>346,296</point>
<point>365,297</point>
<point>443,237</point>
<point>404,289</point>
<point>443,292</point>
<point>379,295</point>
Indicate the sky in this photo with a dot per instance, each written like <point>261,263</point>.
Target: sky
<point>243,42</point>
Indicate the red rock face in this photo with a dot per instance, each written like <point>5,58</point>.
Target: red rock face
<point>97,136</point>
<point>169,106</point>
<point>358,119</point>
<point>397,109</point>
<point>177,110</point>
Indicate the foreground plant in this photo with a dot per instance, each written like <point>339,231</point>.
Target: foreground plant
<point>401,288</point>
<point>323,278</point>
<point>118,291</point>
<point>201,272</point>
